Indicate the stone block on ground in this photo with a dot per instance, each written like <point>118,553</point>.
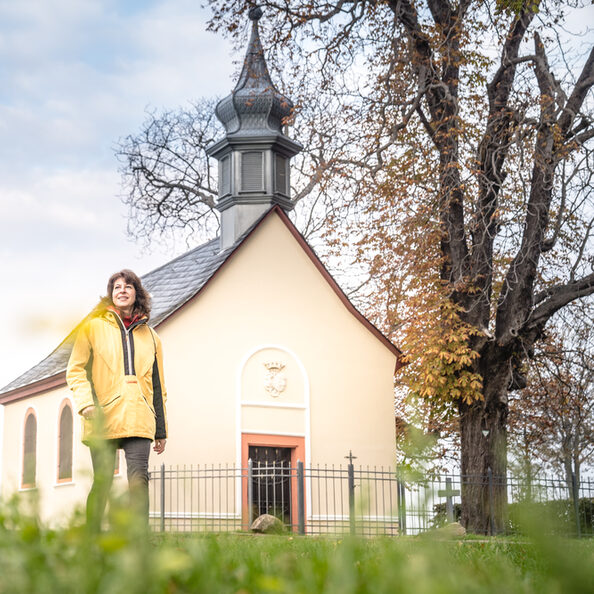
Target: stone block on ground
<point>267,524</point>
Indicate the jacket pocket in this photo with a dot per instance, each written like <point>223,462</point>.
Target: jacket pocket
<point>111,402</point>
<point>150,407</point>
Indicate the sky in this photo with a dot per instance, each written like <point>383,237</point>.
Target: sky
<point>75,77</point>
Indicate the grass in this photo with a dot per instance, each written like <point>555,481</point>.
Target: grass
<point>36,559</point>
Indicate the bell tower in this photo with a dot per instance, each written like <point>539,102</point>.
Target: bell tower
<point>254,155</point>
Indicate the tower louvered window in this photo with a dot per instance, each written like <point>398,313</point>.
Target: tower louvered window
<point>280,174</point>
<point>251,171</point>
<point>225,176</point>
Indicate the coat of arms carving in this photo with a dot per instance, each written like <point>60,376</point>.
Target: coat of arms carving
<point>275,380</point>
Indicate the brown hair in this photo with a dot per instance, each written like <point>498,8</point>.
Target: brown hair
<point>142,305</point>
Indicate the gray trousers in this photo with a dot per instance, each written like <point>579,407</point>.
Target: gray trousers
<point>103,456</point>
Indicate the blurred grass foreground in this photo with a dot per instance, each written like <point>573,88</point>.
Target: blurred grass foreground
<point>128,559</point>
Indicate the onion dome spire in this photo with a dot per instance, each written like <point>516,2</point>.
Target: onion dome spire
<point>255,103</point>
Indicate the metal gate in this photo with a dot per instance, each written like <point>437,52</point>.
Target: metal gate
<point>271,482</point>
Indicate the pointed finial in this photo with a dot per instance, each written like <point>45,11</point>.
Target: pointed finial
<point>255,105</point>
<point>255,13</point>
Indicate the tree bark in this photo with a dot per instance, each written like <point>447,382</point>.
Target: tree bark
<point>483,432</point>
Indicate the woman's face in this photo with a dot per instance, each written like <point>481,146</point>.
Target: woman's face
<point>123,295</point>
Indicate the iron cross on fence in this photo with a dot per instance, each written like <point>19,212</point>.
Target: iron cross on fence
<point>350,457</point>
<point>448,493</point>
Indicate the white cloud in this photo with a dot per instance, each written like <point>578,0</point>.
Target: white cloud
<point>80,201</point>
<point>76,76</point>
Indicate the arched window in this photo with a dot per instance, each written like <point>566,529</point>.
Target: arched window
<point>29,450</point>
<point>65,438</point>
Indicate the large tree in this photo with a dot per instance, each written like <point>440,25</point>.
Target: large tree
<point>451,154</point>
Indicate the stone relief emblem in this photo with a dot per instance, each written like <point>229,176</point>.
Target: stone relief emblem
<point>275,380</point>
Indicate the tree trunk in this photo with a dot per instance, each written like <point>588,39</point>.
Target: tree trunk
<point>483,431</point>
<point>568,472</point>
<point>571,465</point>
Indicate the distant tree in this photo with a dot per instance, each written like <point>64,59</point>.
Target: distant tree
<point>168,180</point>
<point>451,155</point>
<point>425,445</point>
<point>552,420</point>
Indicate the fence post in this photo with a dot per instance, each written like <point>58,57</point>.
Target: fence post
<point>576,503</point>
<point>300,498</point>
<point>491,510</point>
<point>250,492</point>
<point>351,480</point>
<point>400,489</point>
<point>162,497</point>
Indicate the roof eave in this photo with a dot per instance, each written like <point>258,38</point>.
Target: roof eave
<point>43,385</point>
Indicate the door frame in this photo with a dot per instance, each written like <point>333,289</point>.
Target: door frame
<point>297,446</point>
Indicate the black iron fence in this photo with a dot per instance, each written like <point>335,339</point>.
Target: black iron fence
<point>337,500</point>
<point>431,502</point>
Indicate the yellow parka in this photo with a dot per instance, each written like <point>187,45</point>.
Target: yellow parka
<point>120,371</point>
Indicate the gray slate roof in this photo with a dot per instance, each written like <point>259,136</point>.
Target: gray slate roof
<point>170,286</point>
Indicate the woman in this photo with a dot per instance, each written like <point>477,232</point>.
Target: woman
<point>116,374</point>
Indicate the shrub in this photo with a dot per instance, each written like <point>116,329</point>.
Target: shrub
<point>560,514</point>
<point>440,517</point>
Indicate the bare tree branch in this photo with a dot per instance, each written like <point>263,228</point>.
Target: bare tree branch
<point>558,297</point>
